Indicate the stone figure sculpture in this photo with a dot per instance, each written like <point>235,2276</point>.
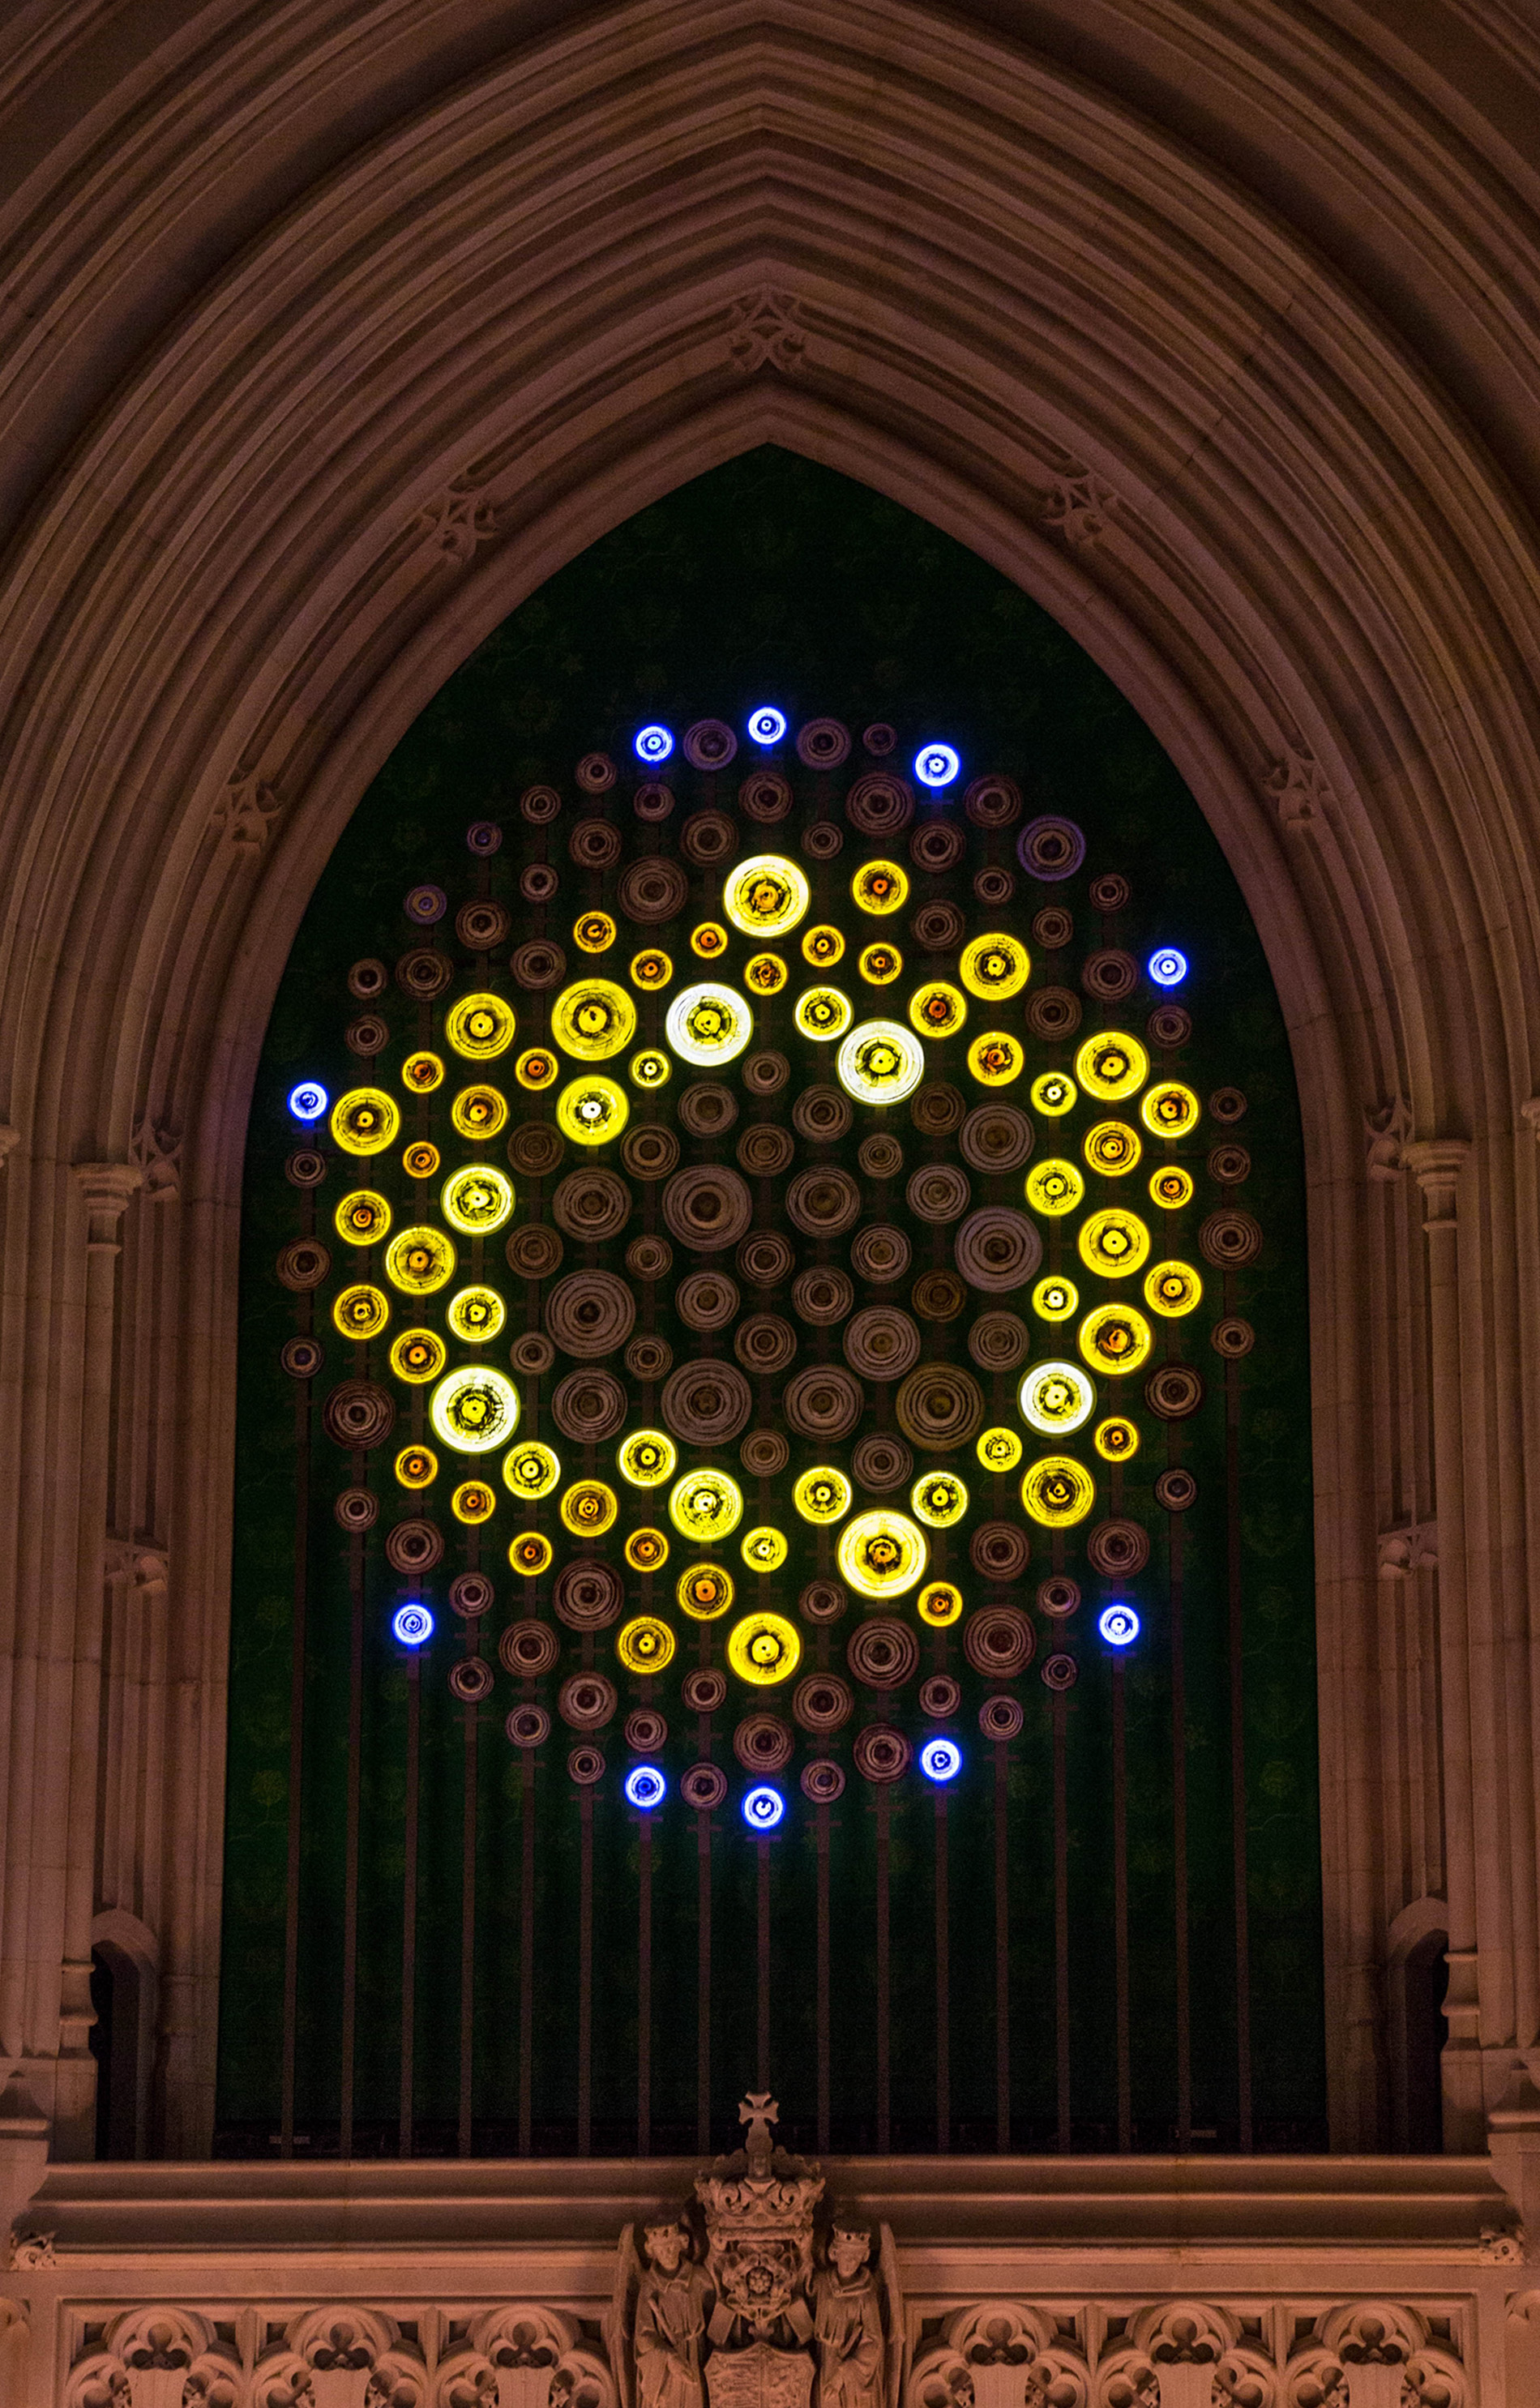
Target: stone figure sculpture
<point>848,2325</point>
<point>668,2332</point>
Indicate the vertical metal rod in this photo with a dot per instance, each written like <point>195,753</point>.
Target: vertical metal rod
<point>1237,1749</point>
<point>703,1983</point>
<point>644,1987</point>
<point>586,1970</point>
<point>1179,1843</point>
<point>468,1935</point>
<point>350,1869</point>
<point>297,1763</point>
<point>884,2126</point>
<point>944,1979</point>
<point>409,1903</point>
<point>762,1846</point>
<point>1002,1954</point>
<point>821,1977</point>
<point>1120,1906</point>
<point>1062,1918</point>
<point>527,1964</point>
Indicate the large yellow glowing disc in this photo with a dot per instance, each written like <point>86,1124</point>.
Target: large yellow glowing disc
<point>709,1023</point>
<point>592,1019</point>
<point>705,1506</point>
<point>480,1027</point>
<point>880,1063</point>
<point>995,965</point>
<point>1057,1492</point>
<point>764,1648</point>
<point>1115,1337</point>
<point>365,1120</point>
<point>592,1111</point>
<point>476,1199</point>
<point>1056,1397</point>
<point>1112,1066</point>
<point>474,1409</point>
<point>765,896</point>
<point>882,1553</point>
<point>1113,1242</point>
<point>420,1260</point>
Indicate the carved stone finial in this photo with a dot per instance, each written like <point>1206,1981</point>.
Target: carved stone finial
<point>760,2111</point>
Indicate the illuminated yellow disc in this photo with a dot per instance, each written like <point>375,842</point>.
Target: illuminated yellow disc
<point>1171,1187</point>
<point>420,1161</point>
<point>764,1549</point>
<point>880,1063</point>
<point>537,1068</point>
<point>823,1013</point>
<point>937,1498</point>
<point>476,1199</point>
<point>995,1058</point>
<point>646,1550</point>
<point>529,1553</point>
<point>1054,1186</point>
<point>705,1506</point>
<point>649,1070</point>
<point>1057,1492</point>
<point>998,1450</point>
<point>1055,1298</point>
<point>593,933</point>
<point>473,1501</point>
<point>588,1507</point>
<point>362,1218</point>
<point>822,1494</point>
<point>1169,1110</point>
<point>939,1603</point>
<point>650,969</point>
<point>644,1645</point>
<point>474,1409</point>
<point>708,1025</point>
<point>592,1111</point>
<point>1173,1289</point>
<point>1115,1337</point>
<point>1113,1242</point>
<point>646,1458</point>
<point>995,965</point>
<point>365,1120</point>
<point>704,1591</point>
<point>421,1073</point>
<point>592,1019</point>
<point>1112,1147</point>
<point>476,1315</point>
<point>417,1356</point>
<point>419,1260</point>
<point>937,1009</point>
<point>531,1470</point>
<point>823,947</point>
<point>479,1111</point>
<point>766,895</point>
<point>764,1648</point>
<point>416,1466</point>
<point>765,974</point>
<point>880,965</point>
<point>710,940</point>
<point>1112,1066</point>
<point>1115,1440</point>
<point>880,886</point>
<point>1054,1398</point>
<point>1053,1093</point>
<point>881,1552</point>
<point>480,1027</point>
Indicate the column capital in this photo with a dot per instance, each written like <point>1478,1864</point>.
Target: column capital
<point>1436,1162</point>
<point>106,1188</point>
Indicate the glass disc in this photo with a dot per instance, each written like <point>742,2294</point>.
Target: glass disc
<point>766,895</point>
<point>530,1553</point>
<point>1115,1337</point>
<point>473,1501</point>
<point>998,1450</point>
<point>1056,1399</point>
<point>365,1120</point>
<point>1053,1093</point>
<point>418,1355</point>
<point>764,1648</point>
<point>645,1645</point>
<point>821,947</point>
<point>649,1070</point>
<point>1171,1187</point>
<point>476,1199</point>
<point>880,886</point>
<point>1057,1492</point>
<point>479,1111</point>
<point>1055,1298</point>
<point>650,969</point>
<point>419,1160</point>
<point>647,1458</point>
<point>880,965</point>
<point>882,1553</point>
<point>1113,1242</point>
<point>764,1549</point>
<point>937,1009</point>
<point>476,1315</point>
<point>474,1409</point>
<point>710,940</point>
<point>1169,1110</point>
<point>593,933</point>
<point>995,1058</point>
<point>646,1550</point>
<point>1115,1440</point>
<point>822,1494</point>
<point>995,965</point>
<point>588,1507</point>
<point>416,1466</point>
<point>480,1027</point>
<point>823,1013</point>
<point>1173,1289</point>
<point>705,1506</point>
<point>1112,1066</point>
<point>709,1023</point>
<point>592,1019</point>
<point>937,1498</point>
<point>1054,1187</point>
<point>537,1068</point>
<point>704,1591</point>
<point>765,974</point>
<point>592,1111</point>
<point>421,1073</point>
<point>939,1603</point>
<point>531,1470</point>
<point>361,1312</point>
<point>362,1218</point>
<point>420,1260</point>
<point>1112,1147</point>
<point>881,1062</point>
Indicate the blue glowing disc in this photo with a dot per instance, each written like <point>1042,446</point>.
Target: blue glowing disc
<point>763,1809</point>
<point>1168,968</point>
<point>412,1624</point>
<point>767,725</point>
<point>654,745</point>
<point>645,1786</point>
<point>936,765</point>
<point>941,1759</point>
<point>1118,1625</point>
<point>308,1100</point>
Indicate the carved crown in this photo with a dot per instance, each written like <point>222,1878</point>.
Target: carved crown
<point>759,2190</point>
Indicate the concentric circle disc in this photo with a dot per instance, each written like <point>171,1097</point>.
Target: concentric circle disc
<point>647,1458</point>
<point>994,966</point>
<point>705,1506</point>
<point>1173,1289</point>
<point>365,1120</point>
<point>764,1648</point>
<point>480,1027</point>
<point>418,1261</point>
<point>1056,1399</point>
<point>823,1013</point>
<point>1112,1066</point>
<point>939,1499</point>
<point>474,1409</point>
<point>476,1199</point>
<point>709,1023</point>
<point>531,1470</point>
<point>592,1111</point>
<point>645,1645</point>
<point>882,1553</point>
<point>1115,1337</point>
<point>1054,1187</point>
<point>1057,1492</point>
<point>765,896</point>
<point>593,1019</point>
<point>1114,1242</point>
<point>880,1062</point>
<point>1112,1147</point>
<point>822,1494</point>
<point>1169,1110</point>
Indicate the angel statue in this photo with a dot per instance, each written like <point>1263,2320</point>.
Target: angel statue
<point>856,2359</point>
<point>664,2311</point>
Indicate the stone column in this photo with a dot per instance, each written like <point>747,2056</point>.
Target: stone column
<point>104,1189</point>
<point>1436,1162</point>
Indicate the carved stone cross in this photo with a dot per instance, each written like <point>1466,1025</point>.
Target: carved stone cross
<point>760,2111</point>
